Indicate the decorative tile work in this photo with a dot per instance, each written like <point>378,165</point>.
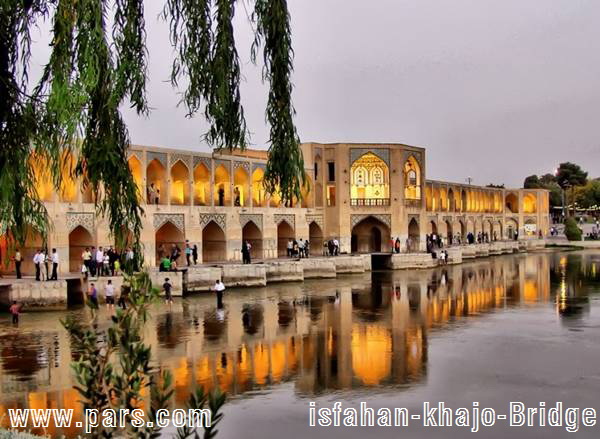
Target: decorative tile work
<point>85,220</point>
<point>160,156</point>
<point>204,160</point>
<point>225,163</point>
<point>386,219</point>
<point>288,218</point>
<point>219,218</point>
<point>256,166</point>
<point>177,219</point>
<point>417,155</point>
<point>318,219</point>
<point>244,165</point>
<point>382,153</point>
<point>137,154</point>
<point>183,158</point>
<point>257,219</point>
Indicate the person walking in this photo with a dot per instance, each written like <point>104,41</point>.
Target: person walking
<point>15,310</point>
<point>219,288</point>
<point>167,288</point>
<point>18,260</point>
<point>109,294</point>
<point>93,296</point>
<point>54,265</point>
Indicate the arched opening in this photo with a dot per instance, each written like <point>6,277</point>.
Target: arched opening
<point>449,233</point>
<point>68,184</point>
<point>222,195</point>
<point>318,195</point>
<point>512,203</point>
<point>315,237</point>
<point>214,246</point>
<point>285,233</point>
<point>512,228</point>
<point>370,181</point>
<point>497,231</point>
<point>156,183</point>
<point>307,192</point>
<point>463,231</point>
<point>529,203</point>
<point>370,236</point>
<point>201,185</point>
<point>180,184</point>
<point>79,239</point>
<point>470,226</point>
<point>432,227</point>
<point>428,199</point>
<point>413,235</point>
<point>252,234</point>
<point>412,179</point>
<point>530,228</point>
<point>436,200</point>
<point>259,194</point>
<point>241,188</point>
<point>451,201</point>
<point>464,201</point>
<point>487,228</point>
<point>135,166</point>
<point>167,236</point>
<point>43,179</point>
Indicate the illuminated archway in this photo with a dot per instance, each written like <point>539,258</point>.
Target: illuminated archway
<point>369,181</point>
<point>307,192</point>
<point>412,179</point>
<point>512,203</point>
<point>43,180</point>
<point>449,232</point>
<point>241,188</point>
<point>370,235</point>
<point>156,177</point>
<point>285,232</point>
<point>463,230</point>
<point>68,184</point>
<point>315,237</point>
<point>511,228</point>
<point>436,200</point>
<point>253,235</point>
<point>451,201</point>
<point>530,228</point>
<point>464,201</point>
<point>428,199</point>
<point>180,184</point>
<point>222,195</point>
<point>167,236</point>
<point>135,166</point>
<point>529,203</point>
<point>201,185</point>
<point>79,239</point>
<point>259,194</point>
<point>214,246</point>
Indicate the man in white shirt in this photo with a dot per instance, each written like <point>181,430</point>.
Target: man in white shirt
<point>36,262</point>
<point>336,247</point>
<point>42,263</point>
<point>99,261</point>
<point>219,288</point>
<point>54,265</point>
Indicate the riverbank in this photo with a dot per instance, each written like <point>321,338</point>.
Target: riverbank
<point>197,279</point>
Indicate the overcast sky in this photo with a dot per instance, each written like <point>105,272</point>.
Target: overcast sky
<point>495,90</point>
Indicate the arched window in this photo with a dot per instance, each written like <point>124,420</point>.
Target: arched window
<point>377,175</point>
<point>412,179</point>
<point>369,181</point>
<point>360,176</point>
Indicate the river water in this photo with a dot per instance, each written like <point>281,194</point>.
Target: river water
<point>520,328</point>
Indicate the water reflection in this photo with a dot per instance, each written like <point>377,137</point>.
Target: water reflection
<point>368,333</point>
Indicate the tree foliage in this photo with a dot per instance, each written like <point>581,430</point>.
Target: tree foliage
<point>570,175</point>
<point>572,231</point>
<point>95,69</point>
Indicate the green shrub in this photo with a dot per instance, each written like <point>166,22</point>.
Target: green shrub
<point>572,231</point>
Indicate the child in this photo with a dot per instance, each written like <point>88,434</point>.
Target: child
<point>117,267</point>
<point>15,310</point>
<point>167,287</point>
<point>84,272</point>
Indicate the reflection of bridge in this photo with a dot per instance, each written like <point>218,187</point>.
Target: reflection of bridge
<point>356,332</point>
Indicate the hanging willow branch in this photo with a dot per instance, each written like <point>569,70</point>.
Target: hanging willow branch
<point>285,168</point>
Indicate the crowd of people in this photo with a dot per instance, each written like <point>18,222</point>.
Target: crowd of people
<point>107,261</point>
<point>298,248</point>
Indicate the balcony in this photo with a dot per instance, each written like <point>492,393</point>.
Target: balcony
<point>413,203</point>
<point>369,201</point>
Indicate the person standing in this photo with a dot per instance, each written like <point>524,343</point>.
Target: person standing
<point>188,253</point>
<point>219,288</point>
<point>221,193</point>
<point>18,260</point>
<point>336,246</point>
<point>99,261</point>
<point>15,310</point>
<point>290,246</point>
<point>195,254</point>
<point>54,265</point>
<point>36,262</point>
<point>167,287</point>
<point>109,294</point>
<point>93,296</point>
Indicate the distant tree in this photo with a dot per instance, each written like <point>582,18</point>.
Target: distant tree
<point>589,195</point>
<point>572,231</point>
<point>547,179</point>
<point>532,182</point>
<point>570,175</point>
<point>497,186</point>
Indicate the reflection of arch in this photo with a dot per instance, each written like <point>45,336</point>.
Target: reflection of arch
<point>315,237</point>
<point>259,194</point>
<point>412,179</point>
<point>79,239</point>
<point>369,177</point>
<point>512,203</point>
<point>413,235</point>
<point>180,184</point>
<point>370,235</point>
<point>213,243</point>
<point>371,359</point>
<point>252,234</point>
<point>156,174</point>
<point>201,185</point>
<point>166,236</point>
<point>241,187</point>
<point>285,232</point>
<point>222,195</point>
<point>529,203</point>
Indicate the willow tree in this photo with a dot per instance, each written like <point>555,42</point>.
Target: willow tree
<point>95,68</point>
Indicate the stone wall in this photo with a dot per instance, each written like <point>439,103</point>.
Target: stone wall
<point>36,296</point>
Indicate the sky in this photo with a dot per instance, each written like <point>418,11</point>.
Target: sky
<point>494,90</point>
